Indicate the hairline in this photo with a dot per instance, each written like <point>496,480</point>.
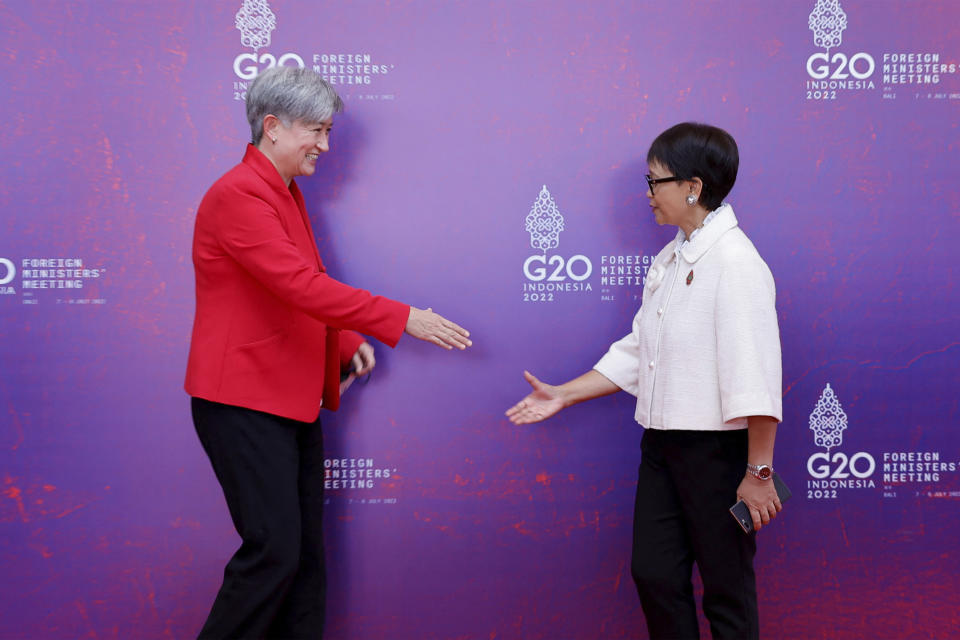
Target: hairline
<point>291,94</point>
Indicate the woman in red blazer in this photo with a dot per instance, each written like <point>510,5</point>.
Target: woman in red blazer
<point>271,334</point>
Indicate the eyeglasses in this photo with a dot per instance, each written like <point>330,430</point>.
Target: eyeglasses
<point>651,181</point>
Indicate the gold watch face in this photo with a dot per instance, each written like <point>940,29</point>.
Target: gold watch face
<point>764,472</point>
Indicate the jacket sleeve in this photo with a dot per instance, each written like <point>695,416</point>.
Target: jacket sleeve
<point>621,364</point>
<point>250,231</point>
<point>748,341</point>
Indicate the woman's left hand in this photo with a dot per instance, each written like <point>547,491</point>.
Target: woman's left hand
<point>761,499</point>
<point>363,360</point>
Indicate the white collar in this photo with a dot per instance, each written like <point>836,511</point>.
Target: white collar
<point>704,237</point>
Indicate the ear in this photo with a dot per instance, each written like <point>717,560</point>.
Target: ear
<point>271,125</point>
<point>696,186</point>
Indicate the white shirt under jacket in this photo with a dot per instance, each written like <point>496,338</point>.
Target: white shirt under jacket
<point>704,352</point>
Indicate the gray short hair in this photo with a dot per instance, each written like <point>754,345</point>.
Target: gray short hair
<point>291,94</point>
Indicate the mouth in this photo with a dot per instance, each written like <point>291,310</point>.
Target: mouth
<point>313,156</point>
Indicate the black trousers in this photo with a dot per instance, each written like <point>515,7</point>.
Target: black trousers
<point>687,482</point>
<point>271,471</point>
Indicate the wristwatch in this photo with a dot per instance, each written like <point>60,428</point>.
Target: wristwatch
<point>760,471</point>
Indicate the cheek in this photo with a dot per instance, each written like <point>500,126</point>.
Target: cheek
<point>665,208</point>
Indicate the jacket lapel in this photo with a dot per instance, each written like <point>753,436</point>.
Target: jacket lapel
<point>290,205</point>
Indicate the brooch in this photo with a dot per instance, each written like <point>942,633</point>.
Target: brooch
<point>690,277</point>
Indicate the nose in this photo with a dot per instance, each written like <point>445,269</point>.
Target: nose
<point>323,144</point>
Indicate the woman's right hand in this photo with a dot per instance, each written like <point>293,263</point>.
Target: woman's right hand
<point>434,328</point>
<point>544,401</point>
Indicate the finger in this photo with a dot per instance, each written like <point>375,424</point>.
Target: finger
<point>755,516</point>
<point>527,417</point>
<point>356,362</point>
<point>777,504</point>
<point>522,413</point>
<point>440,343</point>
<point>369,359</point>
<point>516,414</point>
<point>450,344</point>
<point>461,339</point>
<point>456,340</point>
<point>532,379</point>
<point>453,326</point>
<point>517,408</point>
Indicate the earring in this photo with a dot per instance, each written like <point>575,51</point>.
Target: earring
<point>691,199</point>
<point>273,140</point>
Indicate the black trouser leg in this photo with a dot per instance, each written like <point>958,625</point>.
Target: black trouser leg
<point>687,482</point>
<point>724,553</point>
<point>257,459</point>
<point>662,560</point>
<point>302,613</point>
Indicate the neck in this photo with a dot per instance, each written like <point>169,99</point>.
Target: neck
<point>265,150</point>
<point>694,221</point>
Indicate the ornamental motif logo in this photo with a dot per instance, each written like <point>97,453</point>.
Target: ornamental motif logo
<point>828,420</point>
<point>9,271</point>
<point>256,22</point>
<point>544,222</point>
<point>827,21</point>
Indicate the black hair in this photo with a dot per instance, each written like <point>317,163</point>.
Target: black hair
<point>693,150</point>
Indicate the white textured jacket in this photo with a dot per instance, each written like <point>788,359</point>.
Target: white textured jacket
<point>704,352</point>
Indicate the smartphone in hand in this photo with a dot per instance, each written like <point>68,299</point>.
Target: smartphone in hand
<point>741,513</point>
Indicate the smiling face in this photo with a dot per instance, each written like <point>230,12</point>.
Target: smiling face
<point>294,150</point>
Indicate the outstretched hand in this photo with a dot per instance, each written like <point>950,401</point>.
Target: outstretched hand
<point>432,327</point>
<point>544,401</point>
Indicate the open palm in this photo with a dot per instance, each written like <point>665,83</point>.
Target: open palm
<point>544,401</point>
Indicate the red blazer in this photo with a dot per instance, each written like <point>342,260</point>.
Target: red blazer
<point>266,334</point>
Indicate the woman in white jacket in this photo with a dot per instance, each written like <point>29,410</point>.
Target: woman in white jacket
<point>703,360</point>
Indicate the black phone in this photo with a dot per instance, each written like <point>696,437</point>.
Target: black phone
<point>741,513</point>
<point>346,373</point>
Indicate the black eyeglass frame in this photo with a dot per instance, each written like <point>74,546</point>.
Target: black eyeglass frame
<point>651,181</point>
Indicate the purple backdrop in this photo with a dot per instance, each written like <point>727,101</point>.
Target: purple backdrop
<point>444,521</point>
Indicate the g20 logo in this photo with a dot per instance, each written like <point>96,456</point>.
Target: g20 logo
<point>9,271</point>
<point>547,276</point>
<point>562,269</point>
<point>821,66</point>
<point>248,65</point>
<point>822,465</point>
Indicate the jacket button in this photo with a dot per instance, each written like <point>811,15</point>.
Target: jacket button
<point>660,311</point>
<point>651,364</point>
